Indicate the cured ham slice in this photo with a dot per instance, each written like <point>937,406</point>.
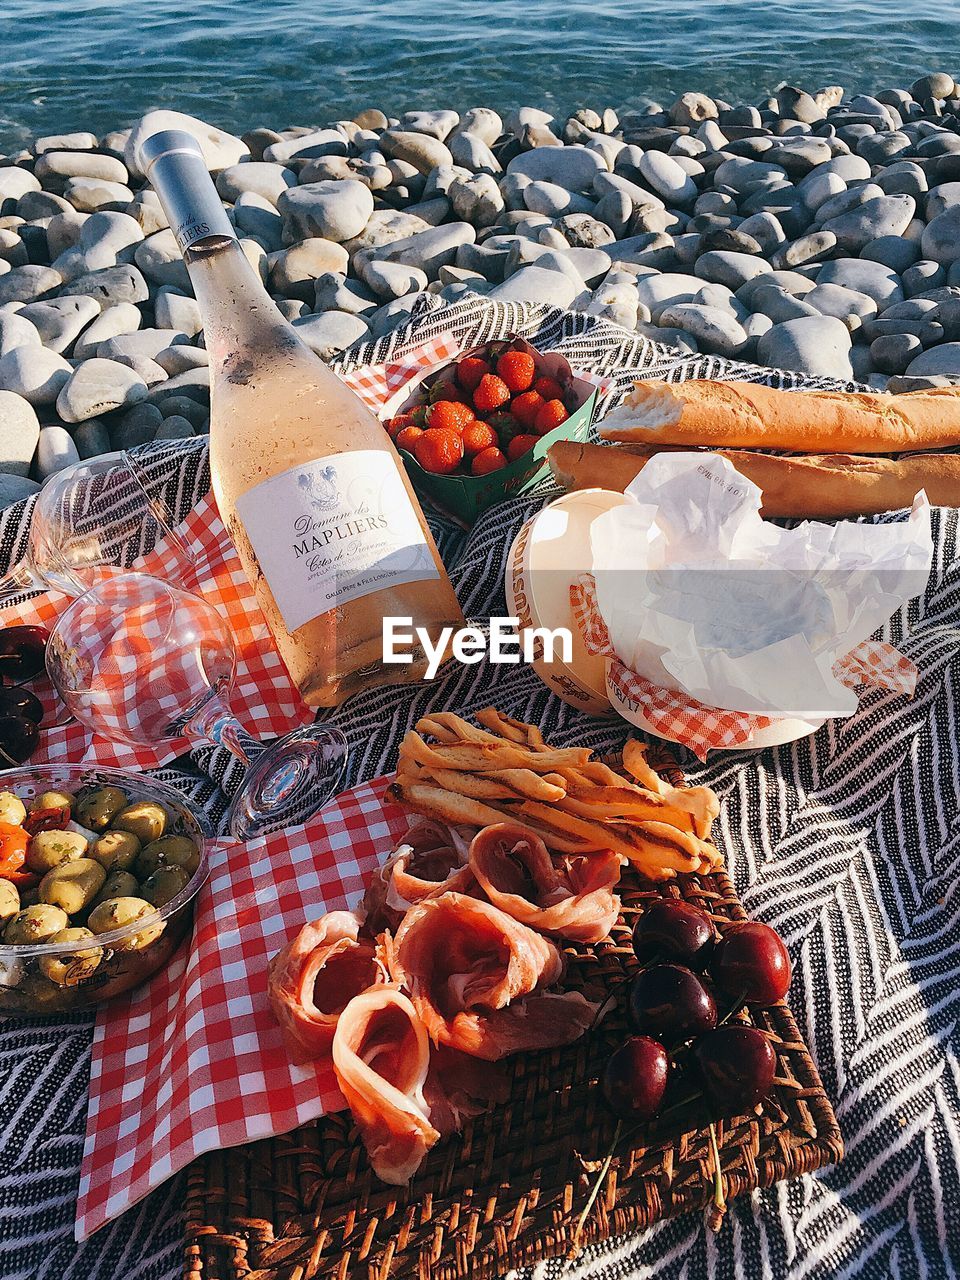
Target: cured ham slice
<point>477,979</point>
<point>432,859</point>
<point>381,1056</point>
<point>460,1086</point>
<point>572,898</point>
<point>315,976</point>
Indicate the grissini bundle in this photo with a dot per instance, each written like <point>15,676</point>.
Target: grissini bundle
<point>744,415</point>
<point>816,487</point>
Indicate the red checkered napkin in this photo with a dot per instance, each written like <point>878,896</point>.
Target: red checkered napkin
<point>673,714</point>
<point>194,1061</point>
<point>376,383</point>
<point>263,697</point>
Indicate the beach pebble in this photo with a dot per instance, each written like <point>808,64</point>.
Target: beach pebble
<point>940,241</point>
<point>944,359</point>
<point>715,329</point>
<point>16,332</point>
<point>309,145</point>
<point>122,318</point>
<point>19,433</point>
<point>24,284</point>
<point>60,320</point>
<point>329,210</point>
<point>552,200</point>
<point>174,360</point>
<point>335,292</point>
<point>476,199</point>
<point>667,178</point>
<point>33,372</point>
<point>692,108</point>
<point>430,249</point>
<point>818,346</point>
<point>480,122</point>
<point>294,270</point>
<point>55,450</point>
<point>573,168</point>
<point>174,427</point>
<point>437,124</point>
<point>389,280</point>
<point>64,142</point>
<point>160,260</point>
<point>15,183</point>
<point>142,342</point>
<point>332,332</point>
<point>259,178</point>
<point>87,195</point>
<point>872,278</point>
<point>848,305</point>
<point>731,269</point>
<point>91,438</point>
<point>14,488</point>
<point>98,386</point>
<point>537,284</point>
<point>220,149</point>
<point>893,352</point>
<point>57,166</point>
<point>892,251</point>
<point>471,152</point>
<point>421,150</point>
<point>122,283</point>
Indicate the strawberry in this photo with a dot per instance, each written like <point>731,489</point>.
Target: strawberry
<point>407,438</point>
<point>505,425</point>
<point>487,461</point>
<point>549,415</point>
<point>549,388</point>
<point>439,450</point>
<point>526,406</point>
<point>490,394</point>
<point>449,414</point>
<point>478,436</point>
<point>520,445</point>
<point>447,389</point>
<point>396,424</point>
<point>517,369</point>
<point>469,372</point>
<point>418,415</point>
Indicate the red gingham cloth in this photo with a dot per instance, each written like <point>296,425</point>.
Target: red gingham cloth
<point>376,383</point>
<point>674,714</point>
<point>194,1061</point>
<point>262,697</point>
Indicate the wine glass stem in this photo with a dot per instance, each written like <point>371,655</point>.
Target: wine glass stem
<point>20,578</point>
<point>214,723</point>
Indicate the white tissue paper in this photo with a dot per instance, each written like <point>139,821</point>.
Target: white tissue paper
<point>699,593</point>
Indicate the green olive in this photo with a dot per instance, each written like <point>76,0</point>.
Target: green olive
<point>146,820</point>
<point>164,884</point>
<point>9,902</point>
<point>36,924</point>
<point>73,885</point>
<point>52,800</point>
<point>12,808</point>
<point>171,851</point>
<point>71,967</point>
<point>47,849</point>
<point>121,913</point>
<point>118,884</point>
<point>98,808</point>
<point>116,850</point>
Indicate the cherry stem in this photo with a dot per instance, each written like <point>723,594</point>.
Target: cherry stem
<point>738,1004</point>
<point>715,1217</point>
<point>576,1246</point>
<point>683,1102</point>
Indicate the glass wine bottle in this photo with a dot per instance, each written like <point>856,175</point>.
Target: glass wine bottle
<point>307,480</point>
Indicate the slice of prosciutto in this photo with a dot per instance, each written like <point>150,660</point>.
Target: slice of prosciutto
<point>477,979</point>
<point>431,859</point>
<point>312,980</point>
<point>570,898</point>
<point>381,1056</point>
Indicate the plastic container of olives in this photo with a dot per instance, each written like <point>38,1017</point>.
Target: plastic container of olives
<point>39,978</point>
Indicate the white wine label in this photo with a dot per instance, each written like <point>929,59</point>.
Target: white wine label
<point>333,530</point>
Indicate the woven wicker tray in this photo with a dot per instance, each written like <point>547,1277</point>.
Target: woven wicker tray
<point>510,1189</point>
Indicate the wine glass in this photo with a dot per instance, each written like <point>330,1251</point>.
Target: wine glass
<point>90,521</point>
<point>138,660</point>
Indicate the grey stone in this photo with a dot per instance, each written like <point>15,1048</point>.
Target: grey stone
<point>160,260</point>
<point>332,332</point>
<point>537,284</point>
<point>731,269</point>
<point>260,178</point>
<point>902,177</point>
<point>390,280</point>
<point>307,146</point>
<point>676,338</point>
<point>112,285</point>
<point>220,149</point>
<point>940,242</point>
<point>12,249</point>
<point>937,84</point>
<point>294,270</point>
<point>174,428</point>
<point>481,122</point>
<point>334,292</point>
<point>774,302</point>
<point>922,276</point>
<point>944,359</point>
<point>814,346</point>
<point>91,438</point>
<point>715,330</point>
<point>122,318</point>
<point>192,383</point>
<point>882,284</point>
<point>894,352</point>
<point>848,305</point>
<point>893,251</point>
<point>148,211</point>
<point>658,291</point>
<point>63,232</point>
<point>551,199</point>
<point>34,373</point>
<point>14,488</point>
<point>99,386</point>
<point>429,250</point>
<point>476,199</point>
<point>473,153</point>
<point>19,433</point>
<point>174,360</point>
<point>16,332</point>
<point>335,211</point>
<point>25,284</point>
<point>175,310</point>
<point>55,450</point>
<point>854,196</point>
<point>573,167</point>
<point>667,178</point>
<point>87,195</point>
<point>747,176</point>
<point>60,320</point>
<point>14,183</point>
<point>419,149</point>
<point>143,342</point>
<point>185,407</point>
<point>817,188</point>
<point>882,216</point>
<point>765,229</point>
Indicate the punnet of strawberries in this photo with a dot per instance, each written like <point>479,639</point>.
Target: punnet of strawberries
<point>483,412</point>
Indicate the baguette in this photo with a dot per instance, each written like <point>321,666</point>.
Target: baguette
<point>745,415</point>
<point>823,487</point>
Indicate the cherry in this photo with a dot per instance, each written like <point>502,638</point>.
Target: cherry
<point>671,1003</point>
<point>22,652</point>
<point>20,702</point>
<point>751,963</point>
<point>673,930</point>
<point>737,1065</point>
<point>635,1078</point>
<point>18,739</point>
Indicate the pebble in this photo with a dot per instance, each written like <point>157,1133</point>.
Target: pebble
<point>330,210</point>
<point>175,310</point>
<point>174,427</point>
<point>944,359</point>
<point>220,149</point>
<point>55,450</point>
<point>429,250</point>
<point>848,305</point>
<point>14,488</point>
<point>34,373</point>
<point>715,329</point>
<point>880,216</point>
<point>294,270</point>
<point>731,269</point>
<point>332,332</point>
<point>16,332</point>
<point>667,178</point>
<point>419,149</point>
<point>477,199</point>
<point>573,168</point>
<point>389,280</point>
<point>19,433</point>
<point>24,284</point>
<point>537,284</point>
<point>142,342</point>
<point>819,346</point>
<point>99,386</point>
<point>940,241</point>
<point>60,320</point>
<point>123,283</point>
<point>257,178</point>
<point>91,438</point>
<point>160,260</point>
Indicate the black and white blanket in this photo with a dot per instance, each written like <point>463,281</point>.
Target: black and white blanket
<point>848,842</point>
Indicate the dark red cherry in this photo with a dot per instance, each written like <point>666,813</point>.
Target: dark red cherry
<point>671,1003</point>
<point>18,740</point>
<point>22,652</point>
<point>673,930</point>
<point>751,963</point>
<point>20,702</point>
<point>635,1078</point>
<point>737,1065</point>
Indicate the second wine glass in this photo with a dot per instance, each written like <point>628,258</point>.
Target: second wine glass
<point>138,660</point>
